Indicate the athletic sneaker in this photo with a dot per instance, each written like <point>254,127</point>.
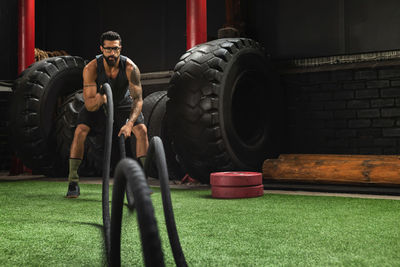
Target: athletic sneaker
<point>73,190</point>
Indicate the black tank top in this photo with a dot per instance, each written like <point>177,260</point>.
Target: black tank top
<point>119,85</point>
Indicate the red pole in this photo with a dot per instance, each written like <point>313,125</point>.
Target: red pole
<point>26,34</point>
<point>26,56</point>
<point>196,22</point>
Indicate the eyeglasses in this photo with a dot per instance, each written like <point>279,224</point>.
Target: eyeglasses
<point>110,49</point>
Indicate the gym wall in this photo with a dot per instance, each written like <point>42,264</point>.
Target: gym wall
<point>301,29</point>
<point>153,31</point>
<point>9,40</point>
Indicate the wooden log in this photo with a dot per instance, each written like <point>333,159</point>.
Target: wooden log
<point>364,170</point>
<point>337,157</point>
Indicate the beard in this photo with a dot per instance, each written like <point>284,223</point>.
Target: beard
<point>111,60</point>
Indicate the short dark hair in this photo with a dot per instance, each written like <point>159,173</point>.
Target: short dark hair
<point>110,36</point>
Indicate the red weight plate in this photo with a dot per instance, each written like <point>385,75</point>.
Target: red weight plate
<point>235,178</point>
<point>237,192</point>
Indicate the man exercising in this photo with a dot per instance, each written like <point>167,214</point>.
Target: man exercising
<point>124,77</point>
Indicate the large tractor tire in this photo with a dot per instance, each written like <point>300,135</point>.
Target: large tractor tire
<point>37,95</point>
<point>154,111</point>
<point>221,107</point>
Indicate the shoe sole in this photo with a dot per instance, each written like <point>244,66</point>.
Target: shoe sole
<point>71,196</point>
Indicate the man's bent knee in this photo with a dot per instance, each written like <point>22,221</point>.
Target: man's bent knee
<point>81,131</point>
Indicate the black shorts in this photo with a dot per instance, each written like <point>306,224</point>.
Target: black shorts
<point>96,120</point>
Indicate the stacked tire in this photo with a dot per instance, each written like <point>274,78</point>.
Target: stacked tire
<point>155,117</point>
<point>38,95</point>
<point>223,98</point>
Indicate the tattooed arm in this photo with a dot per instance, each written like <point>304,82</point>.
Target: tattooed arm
<point>135,89</point>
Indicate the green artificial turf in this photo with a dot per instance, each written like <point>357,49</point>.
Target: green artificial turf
<point>38,226</point>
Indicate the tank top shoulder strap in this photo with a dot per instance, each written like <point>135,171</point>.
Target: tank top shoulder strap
<point>100,64</point>
<point>122,63</point>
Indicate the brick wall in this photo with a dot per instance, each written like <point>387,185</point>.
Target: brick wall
<point>350,109</point>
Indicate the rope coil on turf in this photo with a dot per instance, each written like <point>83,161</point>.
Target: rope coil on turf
<point>130,178</point>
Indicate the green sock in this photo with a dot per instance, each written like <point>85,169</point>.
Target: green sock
<point>73,170</point>
<point>142,160</point>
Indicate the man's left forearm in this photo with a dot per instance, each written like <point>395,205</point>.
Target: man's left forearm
<point>135,90</point>
<point>135,111</point>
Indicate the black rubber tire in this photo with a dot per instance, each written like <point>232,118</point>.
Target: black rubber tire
<point>37,95</point>
<point>157,116</point>
<point>219,109</point>
<point>149,104</point>
<point>154,111</point>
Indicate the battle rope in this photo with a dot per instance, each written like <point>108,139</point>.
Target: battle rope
<point>129,174</point>
<point>156,154</point>
<point>130,178</point>
<point>106,170</point>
